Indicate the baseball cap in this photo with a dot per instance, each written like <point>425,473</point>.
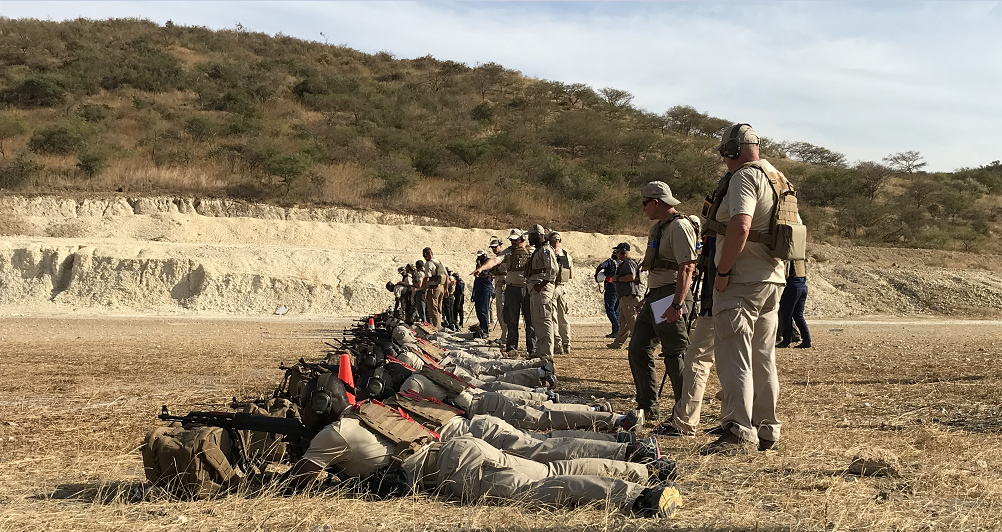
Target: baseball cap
<point>744,135</point>
<point>659,190</point>
<point>515,234</point>
<point>495,242</point>
<point>554,236</point>
<point>537,229</point>
<point>623,246</point>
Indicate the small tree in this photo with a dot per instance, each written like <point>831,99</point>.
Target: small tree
<point>809,153</point>
<point>616,97</point>
<point>907,162</point>
<point>10,127</point>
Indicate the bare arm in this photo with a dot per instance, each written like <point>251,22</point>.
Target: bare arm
<point>683,279</point>
<point>734,242</point>
<point>303,473</point>
<point>488,264</point>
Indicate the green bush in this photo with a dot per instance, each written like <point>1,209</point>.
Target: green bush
<point>288,167</point>
<point>467,151</point>
<point>38,91</point>
<point>92,161</point>
<point>65,137</point>
<point>201,128</point>
<point>94,112</point>
<point>426,160</point>
<point>18,171</point>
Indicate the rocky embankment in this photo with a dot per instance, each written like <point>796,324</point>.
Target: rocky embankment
<point>183,255</point>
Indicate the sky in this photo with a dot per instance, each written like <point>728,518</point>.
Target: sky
<point>866,79</point>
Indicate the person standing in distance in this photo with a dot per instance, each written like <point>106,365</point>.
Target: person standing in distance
<point>627,283</point>
<point>516,295</point>
<point>436,286</point>
<point>498,273</point>
<point>540,277</point>
<point>747,290</point>
<point>608,269</point>
<point>670,260</point>
<point>562,338</point>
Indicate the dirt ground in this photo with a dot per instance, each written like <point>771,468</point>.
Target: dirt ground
<point>77,396</point>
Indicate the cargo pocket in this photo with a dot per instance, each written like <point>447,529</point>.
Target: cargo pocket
<point>732,320</point>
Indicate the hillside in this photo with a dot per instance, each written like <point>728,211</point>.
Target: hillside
<point>130,107</point>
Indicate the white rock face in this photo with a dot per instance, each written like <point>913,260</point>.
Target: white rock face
<point>184,255</point>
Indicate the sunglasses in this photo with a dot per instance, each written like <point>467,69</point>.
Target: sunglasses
<point>648,200</point>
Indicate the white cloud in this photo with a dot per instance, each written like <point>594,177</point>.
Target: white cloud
<point>866,79</point>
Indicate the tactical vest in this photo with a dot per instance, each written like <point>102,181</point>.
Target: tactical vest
<point>435,411</point>
<point>452,384</point>
<point>564,273</point>
<point>439,276</point>
<point>798,268</point>
<point>408,434</point>
<point>529,271</point>
<point>515,263</point>
<point>652,260</point>
<point>787,235</point>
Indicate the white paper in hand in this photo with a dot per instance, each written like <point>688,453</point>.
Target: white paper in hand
<point>661,305</point>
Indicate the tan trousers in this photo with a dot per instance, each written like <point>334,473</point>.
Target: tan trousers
<point>433,297</point>
<point>470,470</point>
<point>698,360</point>
<point>530,418</point>
<point>745,319</point>
<point>499,309</point>
<point>562,332</point>
<point>502,435</point>
<point>543,319</point>
<point>627,319</point>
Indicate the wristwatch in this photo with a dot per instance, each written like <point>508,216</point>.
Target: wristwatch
<point>676,306</point>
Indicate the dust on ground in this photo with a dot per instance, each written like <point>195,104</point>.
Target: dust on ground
<point>77,396</point>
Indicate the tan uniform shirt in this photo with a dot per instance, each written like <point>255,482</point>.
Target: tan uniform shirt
<point>433,268</point>
<point>544,263</point>
<point>677,244</point>
<point>351,446</point>
<point>750,193</point>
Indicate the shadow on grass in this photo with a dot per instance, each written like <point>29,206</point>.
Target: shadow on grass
<point>98,492</point>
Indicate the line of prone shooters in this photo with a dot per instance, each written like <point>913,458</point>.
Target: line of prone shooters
<point>395,410</point>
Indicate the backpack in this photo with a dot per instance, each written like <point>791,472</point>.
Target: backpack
<point>264,446</point>
<point>190,464</point>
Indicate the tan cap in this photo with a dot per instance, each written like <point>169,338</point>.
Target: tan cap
<point>537,230</point>
<point>659,190</point>
<point>743,133</point>
<point>515,234</point>
<point>495,242</point>
<point>554,236</point>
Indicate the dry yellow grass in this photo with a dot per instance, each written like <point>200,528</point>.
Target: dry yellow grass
<point>77,396</point>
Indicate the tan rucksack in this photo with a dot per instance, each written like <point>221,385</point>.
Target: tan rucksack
<point>192,463</point>
<point>265,446</point>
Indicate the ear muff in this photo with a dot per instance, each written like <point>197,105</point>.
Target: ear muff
<point>320,399</point>
<point>375,383</point>
<point>732,148</point>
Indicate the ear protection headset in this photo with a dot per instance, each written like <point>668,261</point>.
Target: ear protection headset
<point>732,147</point>
<point>375,383</point>
<point>320,398</point>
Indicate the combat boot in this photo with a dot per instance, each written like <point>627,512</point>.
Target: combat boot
<point>658,501</point>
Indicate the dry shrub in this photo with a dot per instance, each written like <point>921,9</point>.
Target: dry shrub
<point>15,225</point>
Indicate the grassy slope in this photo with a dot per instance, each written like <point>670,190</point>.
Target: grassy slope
<point>129,106</point>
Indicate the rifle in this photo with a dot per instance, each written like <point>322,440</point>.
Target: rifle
<point>697,302</point>
<point>292,429</point>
